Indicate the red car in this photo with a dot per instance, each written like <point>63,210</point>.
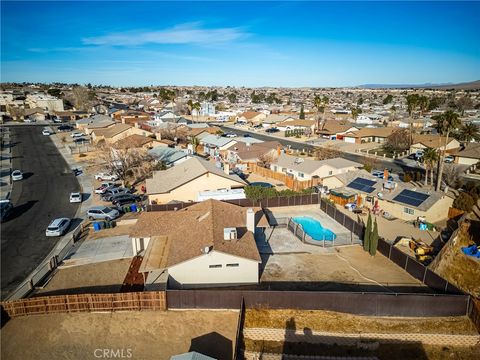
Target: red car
<point>104,187</point>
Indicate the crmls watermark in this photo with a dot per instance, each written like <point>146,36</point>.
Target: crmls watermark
<point>113,353</point>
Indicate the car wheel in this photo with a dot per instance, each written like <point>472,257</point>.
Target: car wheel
<point>91,218</point>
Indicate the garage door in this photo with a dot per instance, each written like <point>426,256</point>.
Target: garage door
<point>349,139</point>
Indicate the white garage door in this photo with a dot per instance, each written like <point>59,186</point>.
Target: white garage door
<point>349,140</point>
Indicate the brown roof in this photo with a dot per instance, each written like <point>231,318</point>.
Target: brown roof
<point>35,110</point>
<point>432,141</point>
<point>133,141</point>
<point>366,132</point>
<point>112,130</point>
<point>298,122</point>
<point>250,114</point>
<point>183,234</point>
<point>470,150</point>
<point>255,150</point>
<point>334,127</point>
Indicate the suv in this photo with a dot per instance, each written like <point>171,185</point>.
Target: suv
<point>106,177</point>
<point>111,193</point>
<point>58,227</point>
<point>124,199</point>
<point>65,128</point>
<point>5,209</point>
<point>102,213</point>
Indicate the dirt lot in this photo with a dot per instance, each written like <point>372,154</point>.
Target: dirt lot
<point>145,335</point>
<point>116,231</point>
<point>347,268</point>
<point>330,321</point>
<point>99,277</point>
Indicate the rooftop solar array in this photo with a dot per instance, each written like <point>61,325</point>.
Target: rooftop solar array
<point>411,198</point>
<point>361,184</point>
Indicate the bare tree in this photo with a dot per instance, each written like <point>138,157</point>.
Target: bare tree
<point>398,141</point>
<point>266,159</point>
<point>81,98</point>
<point>16,112</point>
<point>326,152</point>
<point>124,162</point>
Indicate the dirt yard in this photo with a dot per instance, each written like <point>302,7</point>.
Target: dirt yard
<point>347,268</point>
<point>144,335</point>
<point>330,321</point>
<point>99,277</point>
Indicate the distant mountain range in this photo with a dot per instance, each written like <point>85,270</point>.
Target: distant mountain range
<point>459,86</point>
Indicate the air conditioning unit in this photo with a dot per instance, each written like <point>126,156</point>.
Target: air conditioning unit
<point>229,234</point>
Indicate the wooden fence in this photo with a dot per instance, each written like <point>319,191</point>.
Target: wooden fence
<point>289,181</point>
<point>475,312</point>
<point>152,300</point>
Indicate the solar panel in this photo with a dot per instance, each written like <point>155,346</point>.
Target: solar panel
<point>362,185</point>
<point>412,198</point>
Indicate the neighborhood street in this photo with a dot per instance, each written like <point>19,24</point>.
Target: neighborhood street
<point>40,197</point>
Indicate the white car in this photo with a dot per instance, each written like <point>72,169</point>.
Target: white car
<point>76,135</point>
<point>29,120</point>
<point>107,177</point>
<point>230,135</point>
<point>75,197</point>
<point>58,227</point>
<point>449,159</point>
<point>46,132</point>
<point>17,175</point>
<point>350,206</point>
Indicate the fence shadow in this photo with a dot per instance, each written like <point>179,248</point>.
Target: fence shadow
<point>214,345</point>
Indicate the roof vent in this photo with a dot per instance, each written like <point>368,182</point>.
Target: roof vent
<point>298,160</point>
<point>229,234</point>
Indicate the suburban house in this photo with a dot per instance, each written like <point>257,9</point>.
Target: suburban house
<point>35,114</point>
<point>131,117</point>
<point>214,144</point>
<point>184,181</point>
<point>117,132</point>
<point>368,119</point>
<point>297,124</point>
<point>136,141</point>
<point>334,130</point>
<point>421,142</point>
<point>468,154</point>
<point>400,200</point>
<point>94,122</point>
<point>251,117</point>
<point>366,135</point>
<point>65,115</point>
<point>274,119</point>
<point>252,153</point>
<point>304,169</point>
<point>211,243</point>
<point>169,156</point>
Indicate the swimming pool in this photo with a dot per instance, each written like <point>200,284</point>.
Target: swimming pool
<point>315,229</point>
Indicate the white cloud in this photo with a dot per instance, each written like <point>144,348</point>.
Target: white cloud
<point>181,34</point>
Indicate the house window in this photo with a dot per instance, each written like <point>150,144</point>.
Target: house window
<point>408,211</point>
<point>215,266</point>
<point>232,265</point>
<point>330,172</point>
<point>301,175</point>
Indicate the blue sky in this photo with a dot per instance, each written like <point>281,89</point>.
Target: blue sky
<point>240,43</point>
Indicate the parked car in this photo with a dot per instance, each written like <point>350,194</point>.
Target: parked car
<point>449,159</point>
<point>29,121</point>
<point>230,135</point>
<point>81,141</point>
<point>104,187</point>
<point>419,154</point>
<point>58,227</point>
<point>379,174</point>
<point>110,193</point>
<point>121,201</point>
<point>261,184</point>
<point>247,135</point>
<point>320,189</point>
<point>5,209</point>
<point>350,206</point>
<point>46,132</point>
<point>107,177</point>
<point>75,197</point>
<point>65,128</point>
<point>76,134</point>
<point>57,120</point>
<point>17,175</point>
<point>272,130</point>
<point>102,213</point>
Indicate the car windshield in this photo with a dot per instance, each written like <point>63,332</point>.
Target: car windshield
<point>105,210</point>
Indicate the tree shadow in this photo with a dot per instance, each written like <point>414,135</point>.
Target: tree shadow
<point>213,344</point>
<point>20,209</point>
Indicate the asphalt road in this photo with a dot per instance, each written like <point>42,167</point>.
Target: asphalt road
<point>40,197</point>
<point>397,166</point>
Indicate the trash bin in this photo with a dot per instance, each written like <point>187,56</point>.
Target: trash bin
<point>96,226</point>
<point>107,225</point>
<point>102,225</point>
<point>133,208</point>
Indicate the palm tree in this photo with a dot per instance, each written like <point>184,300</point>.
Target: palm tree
<point>320,104</point>
<point>413,101</point>
<point>196,106</point>
<point>430,157</point>
<point>447,122</point>
<point>195,142</point>
<point>468,132</point>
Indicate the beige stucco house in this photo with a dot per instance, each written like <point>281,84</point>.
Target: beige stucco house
<point>304,169</point>
<point>211,243</point>
<point>117,132</point>
<point>421,142</point>
<point>184,182</point>
<point>468,154</point>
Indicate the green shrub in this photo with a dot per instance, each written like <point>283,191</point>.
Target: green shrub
<point>407,177</point>
<point>464,202</point>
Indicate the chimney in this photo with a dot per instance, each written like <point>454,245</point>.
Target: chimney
<point>251,220</point>
<point>226,168</point>
<point>158,136</point>
<point>278,150</point>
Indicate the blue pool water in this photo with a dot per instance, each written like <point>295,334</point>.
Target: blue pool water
<point>315,229</point>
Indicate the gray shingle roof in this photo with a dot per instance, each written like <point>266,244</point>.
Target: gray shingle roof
<point>216,140</point>
<point>308,166</point>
